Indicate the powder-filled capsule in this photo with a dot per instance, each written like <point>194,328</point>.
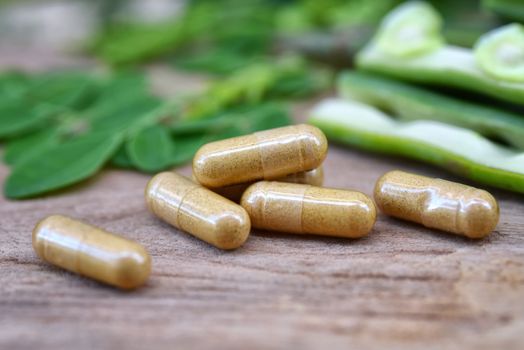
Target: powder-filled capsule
<point>313,177</point>
<point>437,203</point>
<point>269,155</point>
<point>297,208</point>
<point>91,252</point>
<point>197,210</point>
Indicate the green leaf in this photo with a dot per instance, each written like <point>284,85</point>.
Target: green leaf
<point>190,135</point>
<point>17,117</point>
<point>45,97</point>
<point>220,61</point>
<point>12,84</point>
<point>243,119</point>
<point>122,85</point>
<point>186,147</point>
<point>28,146</point>
<point>258,118</point>
<point>287,77</point>
<point>123,100</point>
<point>506,8</point>
<point>119,117</point>
<point>151,149</point>
<point>121,158</point>
<point>133,43</point>
<point>62,165</point>
<point>62,88</point>
<point>244,27</point>
<point>301,83</point>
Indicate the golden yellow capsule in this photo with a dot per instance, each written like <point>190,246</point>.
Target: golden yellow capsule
<point>313,177</point>
<point>436,203</point>
<point>197,210</point>
<point>269,155</point>
<point>91,252</point>
<point>298,208</point>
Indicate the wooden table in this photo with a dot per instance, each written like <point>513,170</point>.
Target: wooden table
<point>402,287</point>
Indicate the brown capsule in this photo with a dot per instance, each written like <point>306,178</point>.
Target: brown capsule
<point>197,210</point>
<point>269,155</point>
<point>313,177</point>
<point>297,208</point>
<point>437,203</point>
<point>91,252</point>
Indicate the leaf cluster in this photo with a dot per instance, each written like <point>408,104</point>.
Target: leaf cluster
<point>61,128</point>
<point>220,35</point>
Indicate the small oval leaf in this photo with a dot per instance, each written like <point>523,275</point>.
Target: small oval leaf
<point>28,146</point>
<point>151,149</point>
<point>60,166</point>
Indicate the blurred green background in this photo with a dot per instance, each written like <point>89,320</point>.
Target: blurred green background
<point>83,83</point>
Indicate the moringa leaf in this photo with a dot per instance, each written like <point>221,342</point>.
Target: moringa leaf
<point>242,120</point>
<point>301,84</point>
<point>122,100</point>
<point>220,61</point>
<point>62,165</point>
<point>12,84</point>
<point>122,86</point>
<point>16,117</point>
<point>106,107</point>
<point>45,97</point>
<point>121,117</point>
<point>62,88</point>
<point>126,80</point>
<point>263,117</point>
<point>129,44</point>
<point>186,147</point>
<point>286,77</point>
<point>151,149</point>
<point>25,147</point>
<point>121,158</point>
<point>190,135</point>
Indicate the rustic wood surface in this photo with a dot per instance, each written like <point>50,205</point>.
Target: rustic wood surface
<point>402,287</point>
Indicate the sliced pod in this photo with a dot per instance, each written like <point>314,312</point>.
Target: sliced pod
<point>460,151</point>
<point>411,29</point>
<point>500,53</point>
<point>415,60</point>
<point>411,102</point>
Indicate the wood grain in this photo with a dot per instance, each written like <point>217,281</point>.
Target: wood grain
<point>402,287</point>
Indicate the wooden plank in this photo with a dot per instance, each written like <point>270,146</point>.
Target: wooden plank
<point>402,287</point>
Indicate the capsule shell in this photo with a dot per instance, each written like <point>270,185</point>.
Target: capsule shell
<point>269,155</point>
<point>297,208</point>
<point>437,203</point>
<point>197,210</point>
<point>91,252</point>
<point>313,177</point>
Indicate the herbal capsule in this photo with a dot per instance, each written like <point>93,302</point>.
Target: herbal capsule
<point>436,203</point>
<point>197,210</point>
<point>313,177</point>
<point>297,208</point>
<point>91,252</point>
<point>269,155</point>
